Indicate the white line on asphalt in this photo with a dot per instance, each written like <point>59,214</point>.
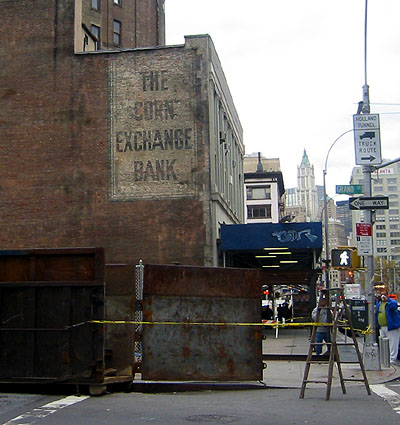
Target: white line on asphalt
<point>48,409</point>
<point>388,395</point>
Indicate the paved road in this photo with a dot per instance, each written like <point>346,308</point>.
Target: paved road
<point>248,407</point>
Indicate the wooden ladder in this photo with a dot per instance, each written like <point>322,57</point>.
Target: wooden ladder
<point>340,312</point>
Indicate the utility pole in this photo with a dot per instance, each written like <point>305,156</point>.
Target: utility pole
<point>371,349</point>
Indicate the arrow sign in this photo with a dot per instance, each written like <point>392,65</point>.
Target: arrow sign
<point>369,203</point>
<point>367,158</point>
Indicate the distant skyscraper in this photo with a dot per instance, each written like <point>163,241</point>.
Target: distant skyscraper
<point>304,197</point>
<point>343,214</point>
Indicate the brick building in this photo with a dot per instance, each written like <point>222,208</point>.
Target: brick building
<point>136,147</point>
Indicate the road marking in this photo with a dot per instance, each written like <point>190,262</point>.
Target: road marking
<point>48,409</point>
<point>392,398</point>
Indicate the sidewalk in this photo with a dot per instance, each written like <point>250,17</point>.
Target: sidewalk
<point>289,373</point>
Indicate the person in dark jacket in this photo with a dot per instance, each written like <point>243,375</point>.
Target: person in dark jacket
<point>388,319</point>
<point>323,332</point>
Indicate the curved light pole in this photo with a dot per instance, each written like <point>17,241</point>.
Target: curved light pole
<point>327,259</point>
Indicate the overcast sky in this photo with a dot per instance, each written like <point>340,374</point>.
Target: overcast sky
<point>296,70</point>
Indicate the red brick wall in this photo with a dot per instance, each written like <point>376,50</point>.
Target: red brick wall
<point>55,150</point>
<point>142,26</point>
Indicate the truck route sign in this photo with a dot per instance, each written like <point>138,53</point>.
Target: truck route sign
<point>367,142</point>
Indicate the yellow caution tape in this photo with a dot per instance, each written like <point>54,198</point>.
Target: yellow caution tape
<point>271,324</point>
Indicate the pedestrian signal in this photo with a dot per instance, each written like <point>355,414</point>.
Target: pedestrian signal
<point>345,258</point>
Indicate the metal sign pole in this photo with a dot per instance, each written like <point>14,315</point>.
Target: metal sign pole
<point>371,348</point>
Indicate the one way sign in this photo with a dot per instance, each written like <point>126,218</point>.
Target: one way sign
<point>369,203</point>
<point>367,142</point>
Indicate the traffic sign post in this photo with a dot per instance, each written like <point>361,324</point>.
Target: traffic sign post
<point>369,203</point>
<point>367,140</point>
<point>364,238</point>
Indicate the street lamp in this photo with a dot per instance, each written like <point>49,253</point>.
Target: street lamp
<point>327,259</point>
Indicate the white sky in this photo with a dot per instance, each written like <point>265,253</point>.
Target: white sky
<point>295,69</point>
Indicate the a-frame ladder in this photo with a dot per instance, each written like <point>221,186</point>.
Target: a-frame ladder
<point>340,312</point>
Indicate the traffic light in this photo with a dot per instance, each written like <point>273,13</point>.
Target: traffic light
<point>345,258</point>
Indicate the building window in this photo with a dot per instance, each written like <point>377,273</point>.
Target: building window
<point>394,211</point>
<point>394,204</point>
<point>381,242</point>
<point>258,192</point>
<point>95,4</point>
<point>381,250</point>
<point>117,33</point>
<point>393,195</point>
<point>395,234</point>
<point>381,235</point>
<point>394,226</point>
<point>96,32</point>
<point>117,2</point>
<point>380,212</point>
<point>378,189</point>
<point>380,227</point>
<point>395,242</point>
<point>259,211</point>
<point>380,218</point>
<point>392,181</point>
<point>392,188</point>
<point>394,218</point>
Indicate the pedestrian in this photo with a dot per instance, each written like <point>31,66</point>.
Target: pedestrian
<point>323,332</point>
<point>267,313</point>
<point>388,319</point>
<point>284,312</point>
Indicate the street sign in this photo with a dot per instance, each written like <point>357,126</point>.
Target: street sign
<point>352,290</point>
<point>367,140</point>
<point>369,203</point>
<point>363,229</point>
<point>364,245</point>
<point>348,189</point>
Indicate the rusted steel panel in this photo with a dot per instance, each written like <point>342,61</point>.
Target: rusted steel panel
<point>120,305</point>
<point>46,330</point>
<point>188,349</point>
<point>201,281</point>
<point>74,264</point>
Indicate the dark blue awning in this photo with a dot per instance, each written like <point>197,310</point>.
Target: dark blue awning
<point>242,237</point>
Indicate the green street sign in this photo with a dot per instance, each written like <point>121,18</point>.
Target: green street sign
<point>348,189</point>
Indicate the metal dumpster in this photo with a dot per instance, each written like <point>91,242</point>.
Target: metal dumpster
<point>213,332</point>
<point>48,299</point>
<point>52,305</point>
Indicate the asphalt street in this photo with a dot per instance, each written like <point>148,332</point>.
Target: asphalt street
<point>248,407</point>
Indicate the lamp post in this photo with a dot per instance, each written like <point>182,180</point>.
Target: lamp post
<point>327,259</point>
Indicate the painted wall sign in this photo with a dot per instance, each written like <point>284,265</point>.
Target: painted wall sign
<point>152,128</point>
